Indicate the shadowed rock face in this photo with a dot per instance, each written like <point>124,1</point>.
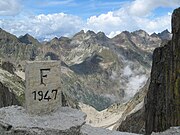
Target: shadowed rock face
<point>162,109</point>
<point>165,35</point>
<point>7,97</point>
<point>8,67</point>
<point>11,86</point>
<point>134,122</point>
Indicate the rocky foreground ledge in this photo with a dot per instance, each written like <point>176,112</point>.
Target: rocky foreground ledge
<point>14,120</point>
<point>65,121</point>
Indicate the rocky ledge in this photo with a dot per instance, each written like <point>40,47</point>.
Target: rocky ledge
<point>65,121</point>
<point>171,131</point>
<point>14,120</point>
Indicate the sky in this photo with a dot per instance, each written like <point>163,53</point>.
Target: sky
<point>45,19</point>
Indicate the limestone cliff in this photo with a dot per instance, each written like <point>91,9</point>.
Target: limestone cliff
<point>162,108</point>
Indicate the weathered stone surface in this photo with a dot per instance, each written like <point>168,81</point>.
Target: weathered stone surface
<point>88,130</point>
<point>171,131</point>
<point>15,120</point>
<point>7,97</point>
<point>162,109</point>
<point>134,123</point>
<point>11,89</point>
<point>43,93</point>
<point>6,65</point>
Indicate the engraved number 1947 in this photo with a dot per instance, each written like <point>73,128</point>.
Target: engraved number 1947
<point>40,95</point>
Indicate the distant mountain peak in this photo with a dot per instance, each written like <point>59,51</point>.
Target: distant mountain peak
<point>123,33</point>
<point>165,31</point>
<point>28,39</point>
<point>63,38</point>
<point>79,33</point>
<point>102,36</point>
<point>27,35</point>
<point>55,38</point>
<point>7,37</point>
<point>101,33</point>
<point>90,32</point>
<point>154,35</point>
<point>126,32</point>
<point>82,35</point>
<point>141,33</point>
<point>165,35</point>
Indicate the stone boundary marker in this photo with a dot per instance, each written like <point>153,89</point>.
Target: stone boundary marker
<point>42,94</point>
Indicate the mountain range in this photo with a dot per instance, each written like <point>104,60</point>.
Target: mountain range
<point>96,70</point>
<point>107,78</point>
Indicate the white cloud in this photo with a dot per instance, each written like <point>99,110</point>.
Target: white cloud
<point>132,16</point>
<point>57,3</point>
<point>44,26</point>
<point>144,7</point>
<point>105,22</point>
<point>112,22</point>
<point>9,7</point>
<point>154,25</point>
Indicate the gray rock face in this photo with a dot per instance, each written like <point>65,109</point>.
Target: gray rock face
<point>134,123</point>
<point>65,121</point>
<point>162,109</point>
<point>171,131</point>
<point>166,35</point>
<point>11,89</point>
<point>88,130</point>
<point>28,39</point>
<point>6,65</point>
<point>7,97</point>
